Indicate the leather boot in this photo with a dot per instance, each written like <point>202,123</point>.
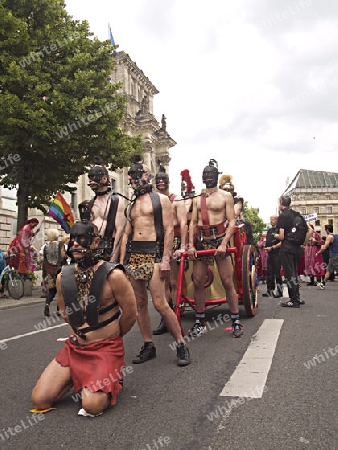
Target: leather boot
<point>161,329</point>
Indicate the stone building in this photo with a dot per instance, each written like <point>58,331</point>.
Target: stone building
<point>8,213</point>
<point>139,120</point>
<point>316,192</point>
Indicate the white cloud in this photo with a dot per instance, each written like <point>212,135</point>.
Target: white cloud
<point>249,84</point>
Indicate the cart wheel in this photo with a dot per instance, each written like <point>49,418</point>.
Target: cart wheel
<point>249,281</point>
<point>15,286</point>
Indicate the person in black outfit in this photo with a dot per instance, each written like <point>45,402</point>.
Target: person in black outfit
<point>289,253</point>
<point>272,247</point>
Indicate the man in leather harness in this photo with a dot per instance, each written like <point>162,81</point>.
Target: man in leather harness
<point>90,294</point>
<point>146,250</point>
<point>180,239</point>
<point>206,231</point>
<point>105,210</point>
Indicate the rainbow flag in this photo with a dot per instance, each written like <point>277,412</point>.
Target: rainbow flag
<point>61,212</point>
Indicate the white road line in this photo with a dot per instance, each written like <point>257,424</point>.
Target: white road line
<point>19,336</point>
<point>249,378</point>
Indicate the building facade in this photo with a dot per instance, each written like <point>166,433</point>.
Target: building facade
<point>8,214</point>
<point>139,120</point>
<point>316,192</point>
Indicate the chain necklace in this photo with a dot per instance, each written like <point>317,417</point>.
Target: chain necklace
<point>83,281</point>
<point>83,274</point>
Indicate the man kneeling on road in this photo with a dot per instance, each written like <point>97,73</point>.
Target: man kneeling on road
<point>90,294</point>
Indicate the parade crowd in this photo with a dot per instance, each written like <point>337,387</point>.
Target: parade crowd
<point>116,256</point>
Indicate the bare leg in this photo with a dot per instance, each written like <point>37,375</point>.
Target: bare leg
<point>199,275</point>
<point>225,271</point>
<point>327,276</point>
<point>168,292</point>
<point>174,269</point>
<point>54,382</point>
<point>94,402</point>
<point>157,290</point>
<point>143,317</point>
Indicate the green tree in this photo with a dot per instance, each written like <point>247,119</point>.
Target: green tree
<point>57,106</point>
<point>258,225</point>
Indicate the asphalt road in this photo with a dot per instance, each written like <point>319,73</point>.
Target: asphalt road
<point>163,406</point>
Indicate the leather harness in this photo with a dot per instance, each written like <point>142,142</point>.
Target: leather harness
<point>73,308</point>
<point>206,230</point>
<point>150,246</point>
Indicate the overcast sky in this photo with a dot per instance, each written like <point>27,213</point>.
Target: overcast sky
<point>251,83</point>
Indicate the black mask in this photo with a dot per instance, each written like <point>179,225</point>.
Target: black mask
<point>210,176</point>
<point>95,174</point>
<point>140,187</point>
<point>136,171</point>
<point>161,176</point>
<point>83,232</point>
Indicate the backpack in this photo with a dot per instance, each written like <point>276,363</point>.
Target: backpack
<point>2,261</point>
<point>299,228</point>
<point>52,257</point>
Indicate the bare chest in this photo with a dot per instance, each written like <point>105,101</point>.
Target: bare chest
<point>142,210</point>
<point>215,206</point>
<point>100,207</point>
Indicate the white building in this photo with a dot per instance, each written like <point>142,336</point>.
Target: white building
<point>139,120</point>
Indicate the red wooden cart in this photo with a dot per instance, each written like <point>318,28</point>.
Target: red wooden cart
<point>245,277</point>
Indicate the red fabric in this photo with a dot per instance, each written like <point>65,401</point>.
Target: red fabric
<point>187,180</point>
<point>301,265</point>
<point>262,268</point>
<point>20,247</point>
<point>16,250</point>
<point>314,265</point>
<point>95,366</point>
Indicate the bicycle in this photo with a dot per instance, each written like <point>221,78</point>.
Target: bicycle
<point>15,284</point>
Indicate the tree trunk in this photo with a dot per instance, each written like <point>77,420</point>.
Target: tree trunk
<point>22,202</point>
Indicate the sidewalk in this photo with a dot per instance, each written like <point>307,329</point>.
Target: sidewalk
<point>7,303</point>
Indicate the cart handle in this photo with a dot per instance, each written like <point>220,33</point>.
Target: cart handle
<point>209,252</point>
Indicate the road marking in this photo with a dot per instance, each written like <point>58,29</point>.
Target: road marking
<point>249,378</point>
<point>19,336</point>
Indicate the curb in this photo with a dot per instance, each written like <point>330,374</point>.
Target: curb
<point>16,303</point>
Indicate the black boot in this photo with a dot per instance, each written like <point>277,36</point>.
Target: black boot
<point>46,310</point>
<point>148,351</point>
<point>161,329</point>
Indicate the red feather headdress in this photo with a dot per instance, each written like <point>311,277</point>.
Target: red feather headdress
<point>187,185</point>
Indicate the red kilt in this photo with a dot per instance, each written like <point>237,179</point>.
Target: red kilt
<point>314,265</point>
<point>96,366</point>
